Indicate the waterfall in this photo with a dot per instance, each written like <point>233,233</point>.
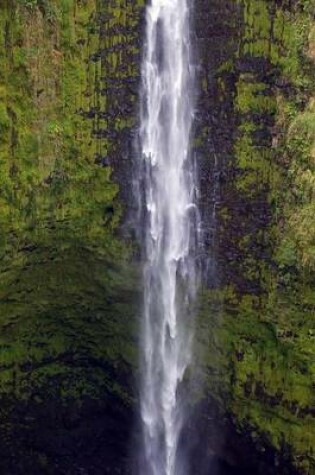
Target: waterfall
<point>170,221</point>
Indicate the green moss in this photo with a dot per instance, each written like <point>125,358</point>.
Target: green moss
<point>256,336</point>
<point>259,365</point>
<point>67,287</point>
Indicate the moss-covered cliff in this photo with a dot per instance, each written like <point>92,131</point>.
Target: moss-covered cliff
<point>260,347</point>
<point>67,295</point>
<point>69,75</point>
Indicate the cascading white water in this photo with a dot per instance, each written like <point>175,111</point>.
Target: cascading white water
<point>170,220</point>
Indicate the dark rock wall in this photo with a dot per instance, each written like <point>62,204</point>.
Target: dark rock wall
<point>256,99</point>
<point>69,291</point>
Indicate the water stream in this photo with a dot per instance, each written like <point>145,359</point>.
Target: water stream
<point>170,220</point>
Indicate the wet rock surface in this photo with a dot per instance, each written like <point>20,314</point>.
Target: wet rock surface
<point>70,300</point>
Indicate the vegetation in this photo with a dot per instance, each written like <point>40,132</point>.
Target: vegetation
<point>68,281</point>
<point>67,287</point>
<point>262,331</point>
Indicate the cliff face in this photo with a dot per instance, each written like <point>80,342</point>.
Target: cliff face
<point>259,139</point>
<point>69,291</point>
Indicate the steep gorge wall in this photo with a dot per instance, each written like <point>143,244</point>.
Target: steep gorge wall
<point>258,135</point>
<point>69,283</point>
<point>68,292</point>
